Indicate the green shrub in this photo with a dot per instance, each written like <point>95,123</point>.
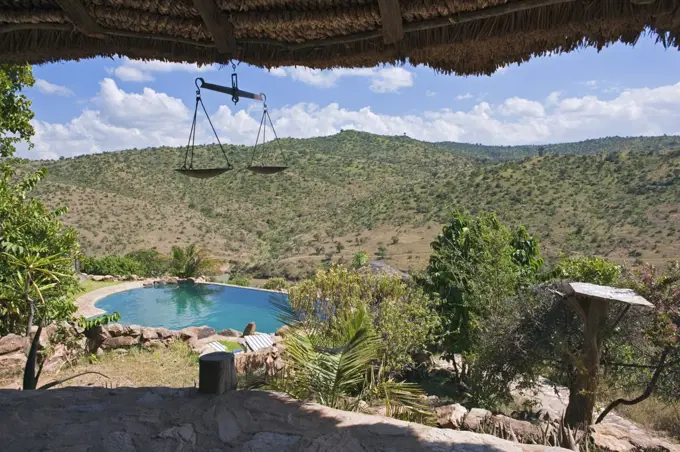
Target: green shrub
<point>111,265</point>
<point>275,284</point>
<point>153,262</point>
<point>239,280</point>
<point>592,269</point>
<point>402,316</point>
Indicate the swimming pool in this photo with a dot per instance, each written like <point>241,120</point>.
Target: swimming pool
<point>177,306</point>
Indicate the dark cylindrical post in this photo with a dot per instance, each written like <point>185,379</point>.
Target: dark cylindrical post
<point>216,373</point>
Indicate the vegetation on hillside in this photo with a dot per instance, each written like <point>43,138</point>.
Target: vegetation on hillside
<point>386,195</point>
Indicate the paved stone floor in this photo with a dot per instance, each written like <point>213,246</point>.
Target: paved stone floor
<point>165,419</point>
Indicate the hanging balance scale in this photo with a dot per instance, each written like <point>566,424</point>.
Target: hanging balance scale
<point>204,173</point>
<point>269,168</point>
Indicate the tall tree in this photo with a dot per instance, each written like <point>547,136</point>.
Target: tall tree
<point>193,261</point>
<point>36,250</point>
<point>15,120</point>
<point>476,264</point>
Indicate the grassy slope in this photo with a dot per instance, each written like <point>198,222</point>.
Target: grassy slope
<point>366,191</point>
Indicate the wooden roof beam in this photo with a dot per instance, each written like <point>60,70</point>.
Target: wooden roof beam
<point>218,25</point>
<point>81,18</point>
<point>392,24</point>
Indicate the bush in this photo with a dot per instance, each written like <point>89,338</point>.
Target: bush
<point>153,262</point>
<point>402,315</point>
<point>275,284</point>
<point>239,280</point>
<point>111,265</point>
<point>594,270</point>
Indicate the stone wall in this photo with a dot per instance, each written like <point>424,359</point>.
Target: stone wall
<point>14,348</point>
<point>166,419</point>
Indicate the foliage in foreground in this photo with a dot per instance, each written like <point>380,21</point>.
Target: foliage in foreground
<point>15,120</point>
<point>540,335</point>
<point>475,266</point>
<point>401,315</point>
<point>36,257</point>
<point>344,370</point>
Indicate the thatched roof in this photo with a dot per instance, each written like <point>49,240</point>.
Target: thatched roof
<point>462,36</point>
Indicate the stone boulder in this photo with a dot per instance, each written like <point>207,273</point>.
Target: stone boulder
<point>115,329</point>
<point>166,334</point>
<point>618,435</point>
<point>113,343</point>
<point>149,334</point>
<point>147,284</point>
<point>133,330</point>
<point>171,280</point>
<point>97,278</point>
<point>249,362</point>
<point>524,431</point>
<point>56,359</point>
<point>14,343</point>
<point>250,329</point>
<point>196,332</point>
<point>229,332</point>
<point>451,416</point>
<point>108,278</point>
<point>283,331</point>
<point>12,364</point>
<point>607,438</point>
<point>475,418</point>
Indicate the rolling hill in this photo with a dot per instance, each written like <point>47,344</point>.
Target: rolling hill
<point>615,197</point>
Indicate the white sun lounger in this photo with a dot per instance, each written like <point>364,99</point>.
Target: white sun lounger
<point>221,348</point>
<point>217,346</point>
<point>259,341</point>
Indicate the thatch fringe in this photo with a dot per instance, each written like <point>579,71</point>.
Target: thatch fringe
<point>471,41</point>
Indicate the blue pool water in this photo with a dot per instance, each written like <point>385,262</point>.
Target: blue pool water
<point>178,306</point>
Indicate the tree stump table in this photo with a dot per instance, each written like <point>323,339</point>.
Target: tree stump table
<point>591,303</point>
<point>216,373</point>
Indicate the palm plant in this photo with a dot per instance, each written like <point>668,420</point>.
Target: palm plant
<point>344,368</point>
<point>193,261</point>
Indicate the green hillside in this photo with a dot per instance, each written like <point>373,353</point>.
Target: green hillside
<point>356,190</point>
<point>599,146</point>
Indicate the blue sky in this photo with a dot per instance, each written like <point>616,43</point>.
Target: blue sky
<point>110,104</point>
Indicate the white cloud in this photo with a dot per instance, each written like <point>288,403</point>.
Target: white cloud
<point>465,96</point>
<point>46,87</point>
<point>132,74</point>
<point>516,106</point>
<point>429,93</point>
<point>592,84</point>
<point>142,71</point>
<point>553,98</point>
<point>278,71</point>
<point>121,120</point>
<point>382,80</point>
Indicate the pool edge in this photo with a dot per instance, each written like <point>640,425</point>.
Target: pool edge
<point>86,303</point>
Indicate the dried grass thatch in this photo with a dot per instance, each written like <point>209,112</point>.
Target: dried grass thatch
<point>461,36</point>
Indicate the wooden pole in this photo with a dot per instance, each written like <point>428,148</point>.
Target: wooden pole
<point>583,390</point>
<point>216,373</point>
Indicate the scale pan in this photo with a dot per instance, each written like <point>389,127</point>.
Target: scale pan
<point>266,169</point>
<point>203,173</point>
